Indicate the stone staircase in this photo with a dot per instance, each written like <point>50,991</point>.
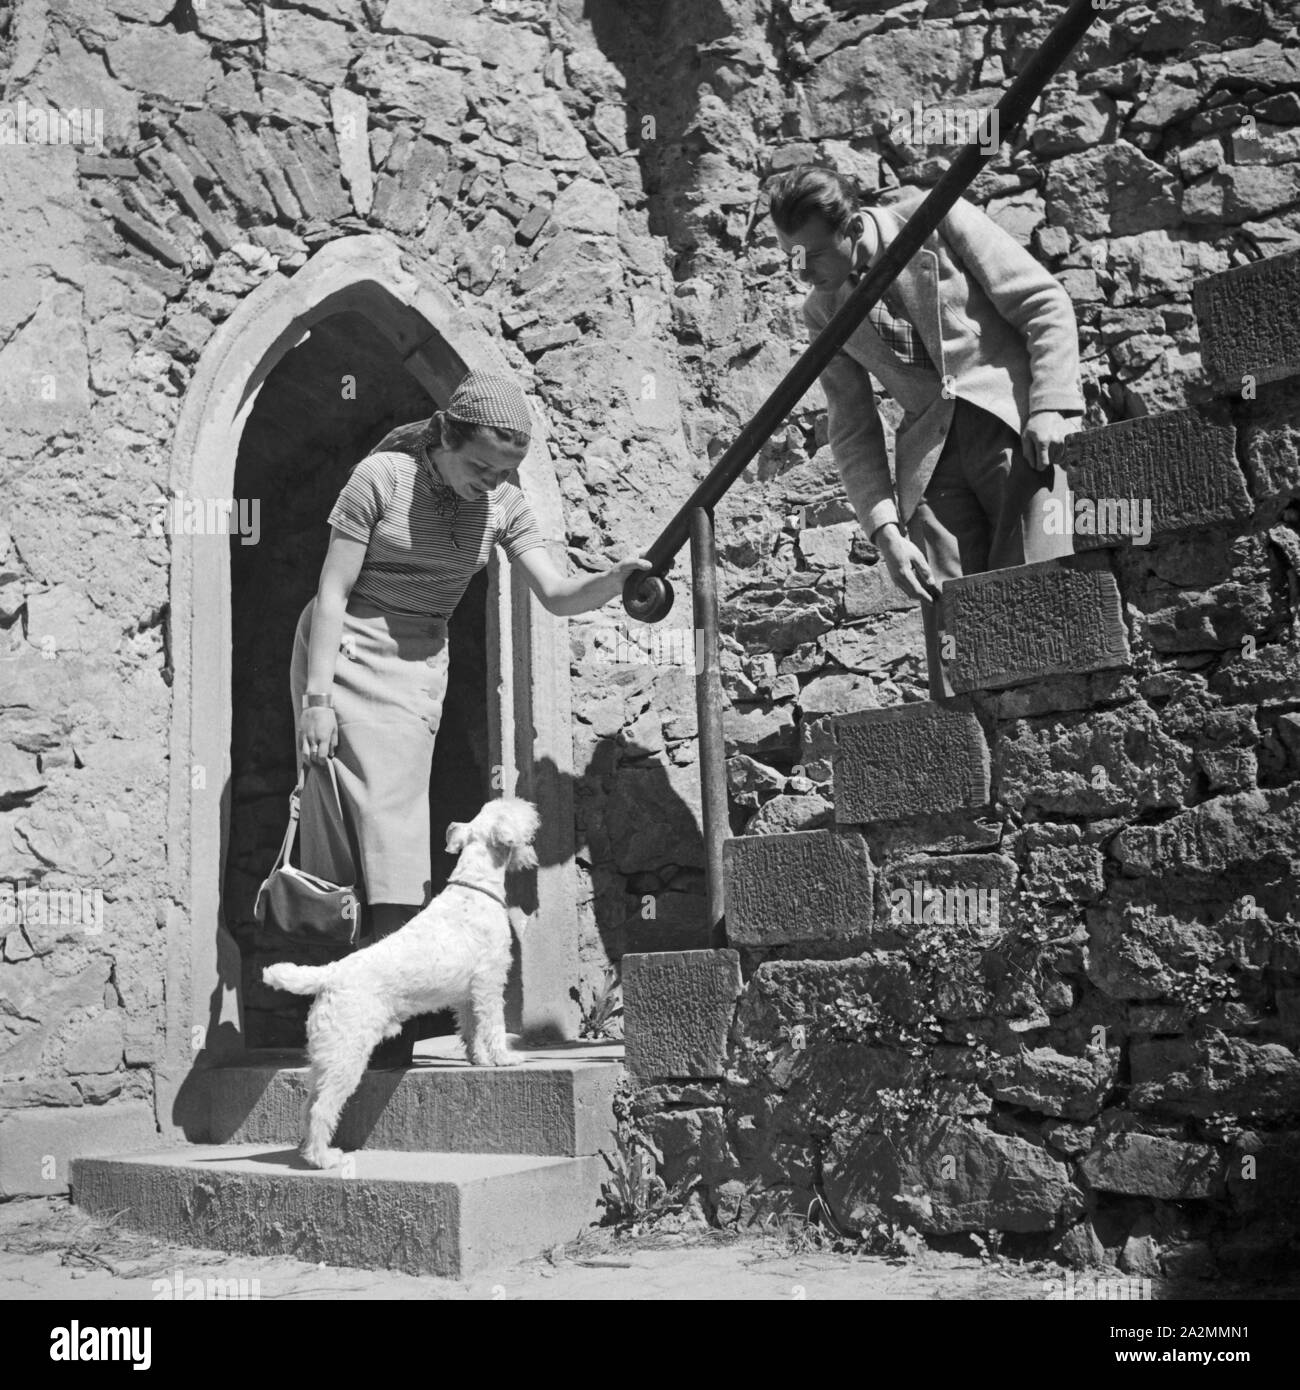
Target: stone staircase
<point>1050,933</point>
<point>449,1169</point>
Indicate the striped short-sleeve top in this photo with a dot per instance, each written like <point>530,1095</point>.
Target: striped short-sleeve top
<point>422,549</point>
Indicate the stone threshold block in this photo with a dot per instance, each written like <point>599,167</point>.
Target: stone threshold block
<point>453,1214</point>
<point>1140,479</point>
<point>1054,618</point>
<point>919,759</point>
<point>557,1102</point>
<point>677,1013</point>
<point>810,885</point>
<point>1249,321</point>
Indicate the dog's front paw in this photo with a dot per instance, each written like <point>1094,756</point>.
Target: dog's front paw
<point>322,1158</point>
<point>493,1057</point>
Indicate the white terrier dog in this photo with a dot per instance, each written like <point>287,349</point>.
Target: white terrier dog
<point>455,954</point>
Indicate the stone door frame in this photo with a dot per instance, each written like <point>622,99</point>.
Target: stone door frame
<point>529,691</point>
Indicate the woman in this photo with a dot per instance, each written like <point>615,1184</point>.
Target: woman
<point>370,659</point>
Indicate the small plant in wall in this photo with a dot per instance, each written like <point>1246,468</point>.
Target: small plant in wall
<point>898,1106</point>
<point>1222,1127</point>
<point>850,1018</point>
<point>603,1018</point>
<point>941,948</point>
<point>1198,990</point>
<point>1031,947</point>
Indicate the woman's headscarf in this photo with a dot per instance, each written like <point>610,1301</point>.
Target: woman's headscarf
<point>486,398</point>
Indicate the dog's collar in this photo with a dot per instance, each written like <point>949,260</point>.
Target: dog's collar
<point>487,892</point>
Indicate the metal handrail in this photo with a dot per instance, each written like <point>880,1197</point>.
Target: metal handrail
<point>648,595</point>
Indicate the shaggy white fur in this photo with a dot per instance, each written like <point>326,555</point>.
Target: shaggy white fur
<point>455,954</point>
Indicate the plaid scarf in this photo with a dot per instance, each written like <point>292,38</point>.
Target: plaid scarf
<point>895,329</point>
<point>897,333</point>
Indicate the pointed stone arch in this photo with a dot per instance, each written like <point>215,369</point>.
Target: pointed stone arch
<point>529,720</point>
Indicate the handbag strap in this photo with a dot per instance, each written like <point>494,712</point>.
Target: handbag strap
<point>291,830</point>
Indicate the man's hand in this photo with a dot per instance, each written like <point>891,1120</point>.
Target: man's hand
<point>1044,434</point>
<point>907,565</point>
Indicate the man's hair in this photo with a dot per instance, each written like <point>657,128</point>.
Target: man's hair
<point>808,191</point>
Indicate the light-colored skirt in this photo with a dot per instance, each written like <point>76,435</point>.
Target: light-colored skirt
<point>390,680</point>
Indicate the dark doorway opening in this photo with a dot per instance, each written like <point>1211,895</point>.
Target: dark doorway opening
<point>461,777</point>
<point>322,408</point>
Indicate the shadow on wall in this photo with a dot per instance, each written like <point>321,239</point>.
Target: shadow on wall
<point>666,51</point>
<point>639,848</point>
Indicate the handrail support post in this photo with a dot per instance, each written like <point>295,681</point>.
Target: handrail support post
<point>708,711</point>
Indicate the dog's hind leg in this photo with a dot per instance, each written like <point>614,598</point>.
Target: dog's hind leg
<point>336,1072</point>
<point>336,1085</point>
<point>489,1047</point>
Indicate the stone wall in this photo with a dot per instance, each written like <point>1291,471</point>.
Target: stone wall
<point>583,176</point>
<point>1041,977</point>
<point>1165,152</point>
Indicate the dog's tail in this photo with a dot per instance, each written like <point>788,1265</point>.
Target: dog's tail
<point>297,979</point>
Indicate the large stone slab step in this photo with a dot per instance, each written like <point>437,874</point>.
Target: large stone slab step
<point>451,1214</point>
<point>556,1101</point>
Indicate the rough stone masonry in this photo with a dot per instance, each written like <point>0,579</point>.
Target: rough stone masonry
<point>583,176</point>
<point>1038,981</point>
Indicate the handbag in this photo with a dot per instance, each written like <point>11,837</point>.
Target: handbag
<point>319,903</point>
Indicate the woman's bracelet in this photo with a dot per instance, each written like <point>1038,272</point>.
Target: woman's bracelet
<point>316,701</point>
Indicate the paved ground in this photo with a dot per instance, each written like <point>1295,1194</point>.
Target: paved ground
<point>48,1250</point>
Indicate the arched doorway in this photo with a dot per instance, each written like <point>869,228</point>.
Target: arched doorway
<point>287,335</point>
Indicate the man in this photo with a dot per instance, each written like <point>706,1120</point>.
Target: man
<point>978,344</point>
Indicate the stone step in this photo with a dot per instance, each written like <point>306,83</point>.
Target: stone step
<point>452,1214</point>
<point>557,1101</point>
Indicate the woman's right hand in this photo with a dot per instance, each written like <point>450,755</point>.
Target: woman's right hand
<point>320,734</point>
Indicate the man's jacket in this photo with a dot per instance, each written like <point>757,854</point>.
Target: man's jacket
<point>1000,332</point>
